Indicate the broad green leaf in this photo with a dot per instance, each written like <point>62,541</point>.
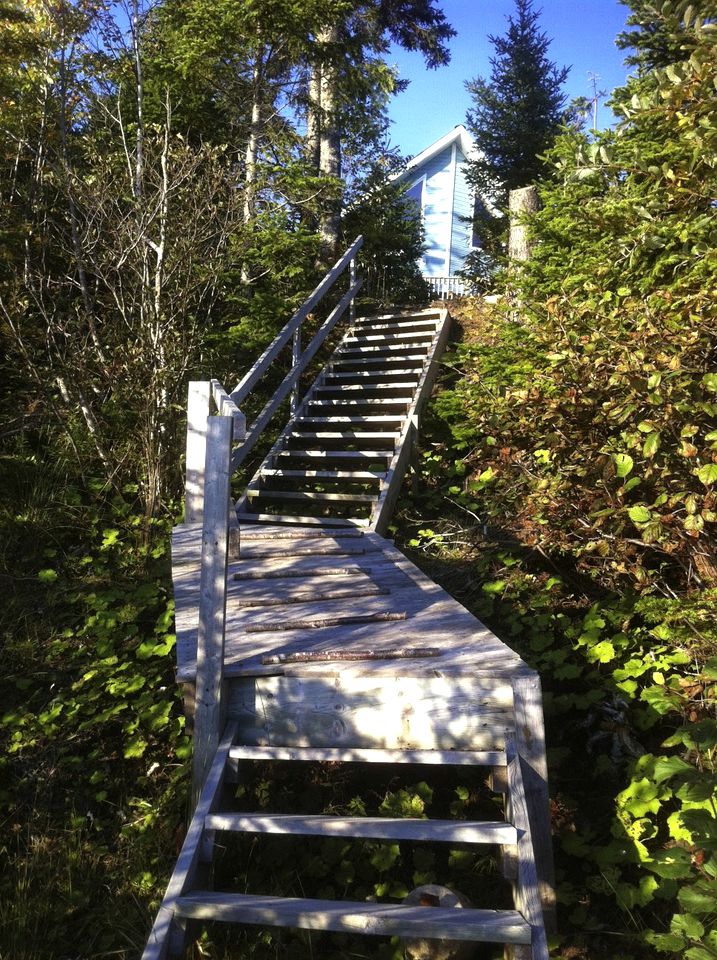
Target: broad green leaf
<point>651,445</point>
<point>700,897</point>
<point>623,464</point>
<point>670,766</point>
<point>672,864</point>
<point>708,474</point>
<point>687,925</point>
<point>639,514</point>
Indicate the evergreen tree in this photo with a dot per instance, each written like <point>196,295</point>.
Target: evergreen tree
<point>517,113</point>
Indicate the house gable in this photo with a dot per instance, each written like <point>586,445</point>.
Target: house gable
<point>436,179</point>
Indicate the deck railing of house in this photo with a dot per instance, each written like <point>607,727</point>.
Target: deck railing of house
<point>446,288</point>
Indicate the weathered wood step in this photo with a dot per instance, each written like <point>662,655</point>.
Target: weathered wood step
<point>427,314</point>
<point>380,351</point>
<point>373,361</point>
<point>337,419</point>
<point>369,338</point>
<point>343,916</point>
<point>265,493</point>
<point>348,436</point>
<point>352,376</point>
<point>298,573</point>
<point>373,828</point>
<point>252,535</point>
<point>355,475</point>
<point>339,404</point>
<point>343,455</point>
<point>398,325</point>
<point>308,521</point>
<point>401,388</point>
<point>452,758</point>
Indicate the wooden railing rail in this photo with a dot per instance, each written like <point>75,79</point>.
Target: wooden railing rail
<point>214,426</point>
<point>253,376</point>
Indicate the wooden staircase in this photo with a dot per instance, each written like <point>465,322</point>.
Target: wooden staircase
<point>188,900</point>
<point>303,635</point>
<point>342,456</point>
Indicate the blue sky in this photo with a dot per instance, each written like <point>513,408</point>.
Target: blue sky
<point>583,36</point>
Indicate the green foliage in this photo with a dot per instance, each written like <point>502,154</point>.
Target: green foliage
<point>517,113</point>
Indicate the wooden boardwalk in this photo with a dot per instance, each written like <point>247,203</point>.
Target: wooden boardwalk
<point>311,637</point>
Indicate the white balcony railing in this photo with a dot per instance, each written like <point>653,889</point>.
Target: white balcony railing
<point>446,288</point>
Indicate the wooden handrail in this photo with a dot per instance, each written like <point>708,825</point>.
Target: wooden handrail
<point>242,390</point>
<point>290,381</point>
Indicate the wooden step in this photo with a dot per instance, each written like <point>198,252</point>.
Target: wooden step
<point>352,376</point>
<point>379,919</point>
<point>306,522</point>
<point>380,351</point>
<point>402,389</point>
<point>368,419</point>
<point>355,475</point>
<point>369,338</point>
<point>370,828</point>
<point>339,404</point>
<point>427,314</point>
<point>453,758</point>
<point>265,493</point>
<point>252,535</point>
<point>346,436</point>
<point>347,455</point>
<point>397,326</point>
<point>377,362</point>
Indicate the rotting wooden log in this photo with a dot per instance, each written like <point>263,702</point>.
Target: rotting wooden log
<point>521,203</point>
<point>530,739</point>
<point>209,710</point>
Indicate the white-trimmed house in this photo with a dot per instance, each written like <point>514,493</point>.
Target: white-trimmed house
<point>436,180</point>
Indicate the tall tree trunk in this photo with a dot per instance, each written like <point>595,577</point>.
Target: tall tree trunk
<point>329,142</point>
<point>313,118</point>
<point>252,152</point>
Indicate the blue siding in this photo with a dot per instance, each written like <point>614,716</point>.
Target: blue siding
<point>437,215</point>
<point>462,231</point>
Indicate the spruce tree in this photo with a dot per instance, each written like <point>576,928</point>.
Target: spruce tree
<point>517,113</point>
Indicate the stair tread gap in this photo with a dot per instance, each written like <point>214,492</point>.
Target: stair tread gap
<point>380,919</point>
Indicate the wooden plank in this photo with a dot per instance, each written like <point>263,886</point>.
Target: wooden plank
<point>167,927</point>
<point>321,596</point>
<point>198,398</point>
<point>267,493</point>
<point>321,623</point>
<point>376,828</point>
<point>530,740</point>
<point>246,384</point>
<point>300,573</point>
<point>400,712</point>
<point>385,920</point>
<point>252,535</point>
<point>226,407</point>
<point>209,711</point>
<point>526,893</point>
<point>439,758</point>
<point>371,455</point>
<point>355,475</point>
<point>303,521</point>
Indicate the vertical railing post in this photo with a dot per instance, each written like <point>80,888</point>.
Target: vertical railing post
<point>209,697</point>
<point>295,357</point>
<point>352,281</point>
<point>198,401</point>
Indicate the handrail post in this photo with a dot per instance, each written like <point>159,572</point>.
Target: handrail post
<point>352,281</point>
<point>198,404</point>
<point>209,696</point>
<point>295,357</point>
